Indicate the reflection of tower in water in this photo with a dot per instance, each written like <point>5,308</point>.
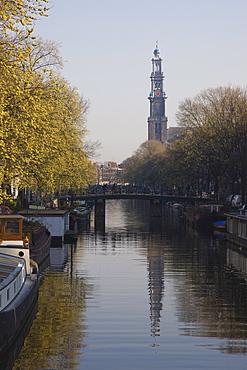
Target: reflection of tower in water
<point>155,256</point>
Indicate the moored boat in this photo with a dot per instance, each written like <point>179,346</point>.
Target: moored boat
<point>18,280</point>
<point>55,220</point>
<point>82,212</point>
<point>203,214</point>
<point>220,229</point>
<point>79,216</point>
<point>39,240</point>
<point>220,225</point>
<point>176,205</point>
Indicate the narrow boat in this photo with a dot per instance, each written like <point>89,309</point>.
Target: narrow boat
<point>19,281</point>
<point>39,241</point>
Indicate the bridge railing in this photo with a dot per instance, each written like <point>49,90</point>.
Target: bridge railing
<point>136,189</point>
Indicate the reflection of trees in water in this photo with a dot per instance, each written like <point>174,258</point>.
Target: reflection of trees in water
<point>134,215</point>
<point>212,302</point>
<point>57,334</point>
<point>127,215</point>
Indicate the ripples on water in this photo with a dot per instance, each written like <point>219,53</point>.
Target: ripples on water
<point>140,295</point>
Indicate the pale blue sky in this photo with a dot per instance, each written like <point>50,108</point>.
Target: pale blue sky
<point>108,46</point>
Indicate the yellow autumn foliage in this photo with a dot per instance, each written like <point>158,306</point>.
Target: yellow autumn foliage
<point>42,118</point>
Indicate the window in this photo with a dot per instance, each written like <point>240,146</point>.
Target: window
<point>12,227</point>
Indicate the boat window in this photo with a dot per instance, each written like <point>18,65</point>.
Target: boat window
<point>7,294</point>
<point>12,227</point>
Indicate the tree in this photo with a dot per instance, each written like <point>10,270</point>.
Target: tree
<point>146,165</point>
<point>42,121</point>
<point>16,15</point>
<point>42,118</point>
<point>216,123</point>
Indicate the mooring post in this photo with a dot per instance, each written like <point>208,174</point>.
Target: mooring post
<point>99,208</point>
<point>99,214</point>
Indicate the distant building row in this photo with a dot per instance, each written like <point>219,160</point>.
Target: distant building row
<point>109,173</point>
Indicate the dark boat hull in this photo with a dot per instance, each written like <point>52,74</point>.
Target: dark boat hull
<point>7,359</point>
<point>40,243</point>
<point>14,317</point>
<point>79,219</point>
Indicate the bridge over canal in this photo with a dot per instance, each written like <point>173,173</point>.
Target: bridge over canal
<point>155,200</point>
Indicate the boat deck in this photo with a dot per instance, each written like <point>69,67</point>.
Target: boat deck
<point>5,270</point>
<point>8,266</point>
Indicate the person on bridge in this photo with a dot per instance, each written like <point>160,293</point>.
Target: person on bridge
<point>113,189</point>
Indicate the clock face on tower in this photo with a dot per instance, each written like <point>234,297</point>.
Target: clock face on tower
<point>157,93</point>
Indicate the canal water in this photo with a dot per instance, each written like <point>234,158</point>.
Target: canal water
<point>140,294</point>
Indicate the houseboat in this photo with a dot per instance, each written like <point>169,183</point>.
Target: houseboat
<point>203,214</point>
<point>236,228</point>
<point>79,216</point>
<point>39,241</point>
<point>55,220</point>
<point>18,280</point>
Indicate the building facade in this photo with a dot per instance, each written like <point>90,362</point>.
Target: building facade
<point>109,173</point>
<point>173,133</point>
<point>157,121</point>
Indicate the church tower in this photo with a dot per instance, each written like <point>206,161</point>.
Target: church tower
<point>157,121</point>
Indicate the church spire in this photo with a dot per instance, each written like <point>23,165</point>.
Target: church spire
<point>156,50</point>
<point>157,121</point>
